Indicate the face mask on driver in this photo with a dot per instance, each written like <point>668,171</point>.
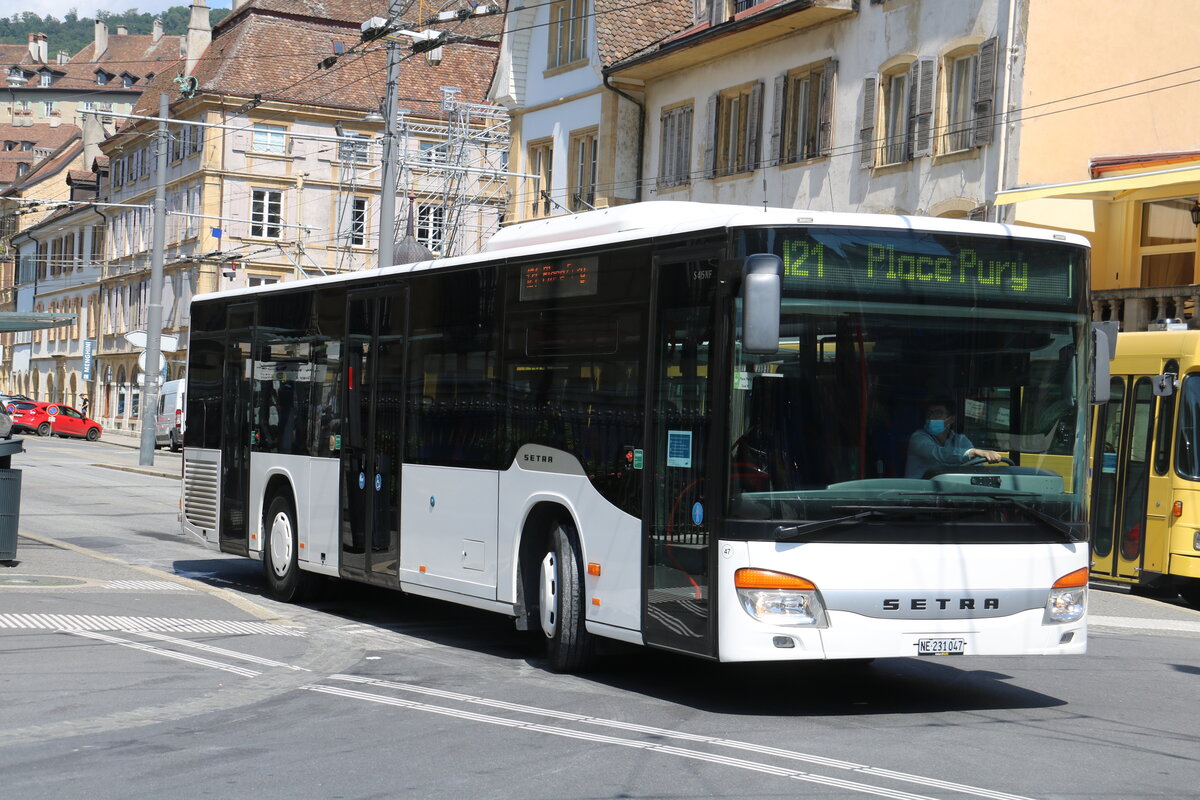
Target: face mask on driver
<point>935,426</point>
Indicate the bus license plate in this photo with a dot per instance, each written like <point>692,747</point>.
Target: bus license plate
<point>941,647</point>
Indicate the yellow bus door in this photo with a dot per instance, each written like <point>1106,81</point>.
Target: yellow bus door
<point>1124,431</point>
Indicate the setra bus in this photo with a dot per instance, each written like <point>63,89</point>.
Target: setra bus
<point>674,424</point>
<point>1146,478</point>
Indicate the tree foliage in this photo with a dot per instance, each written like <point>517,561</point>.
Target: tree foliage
<point>73,32</point>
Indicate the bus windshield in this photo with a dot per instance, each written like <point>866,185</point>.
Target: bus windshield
<point>833,430</point>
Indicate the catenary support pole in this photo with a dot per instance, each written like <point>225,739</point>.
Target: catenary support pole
<point>148,411</point>
<point>387,177</point>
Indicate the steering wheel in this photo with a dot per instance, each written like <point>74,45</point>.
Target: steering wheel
<point>974,462</point>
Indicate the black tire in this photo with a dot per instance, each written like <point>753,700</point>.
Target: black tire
<point>286,582</point>
<point>569,647</point>
<point>93,434</point>
<point>176,445</point>
<point>43,429</point>
<point>1189,589</point>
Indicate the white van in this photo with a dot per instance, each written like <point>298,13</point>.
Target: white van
<point>168,425</point>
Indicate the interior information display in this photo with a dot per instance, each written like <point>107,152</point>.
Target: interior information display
<point>562,277</point>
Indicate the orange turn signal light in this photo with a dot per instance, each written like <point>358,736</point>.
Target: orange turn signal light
<point>1072,579</point>
<point>593,568</point>
<point>747,578</point>
<point>1177,509</point>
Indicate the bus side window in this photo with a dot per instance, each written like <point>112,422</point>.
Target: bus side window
<point>1166,423</point>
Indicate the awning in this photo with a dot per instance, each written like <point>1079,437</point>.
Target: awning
<point>11,321</point>
<point>1102,188</point>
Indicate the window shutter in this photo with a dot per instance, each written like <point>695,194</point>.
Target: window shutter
<point>665,139</point>
<point>985,90</point>
<point>710,135</point>
<point>778,118</point>
<point>921,102</point>
<point>825,122</point>
<point>866,133</point>
<point>683,146</point>
<point>716,11</point>
<point>700,11</point>
<point>978,213</point>
<point>754,127</point>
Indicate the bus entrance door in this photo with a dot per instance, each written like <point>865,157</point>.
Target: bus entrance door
<point>1120,483</point>
<point>235,444</point>
<point>372,436</point>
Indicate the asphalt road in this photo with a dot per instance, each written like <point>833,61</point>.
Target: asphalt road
<point>134,663</point>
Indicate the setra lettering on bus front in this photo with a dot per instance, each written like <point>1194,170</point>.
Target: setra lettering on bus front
<point>883,262</point>
<point>922,603</point>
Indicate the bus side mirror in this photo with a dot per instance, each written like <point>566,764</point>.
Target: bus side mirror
<point>1104,350</point>
<point>762,278</point>
<point>1163,385</point>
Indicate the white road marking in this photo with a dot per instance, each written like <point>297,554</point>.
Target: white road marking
<point>220,651</point>
<point>148,586</point>
<point>165,624</point>
<point>158,651</point>
<point>670,734</point>
<point>680,752</point>
<point>1125,623</point>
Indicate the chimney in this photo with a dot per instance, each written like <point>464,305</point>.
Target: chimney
<point>238,4</point>
<point>199,34</point>
<point>101,40</point>
<point>122,30</point>
<point>157,34</point>
<point>63,56</point>
<point>93,135</point>
<point>37,47</point>
<point>55,118</point>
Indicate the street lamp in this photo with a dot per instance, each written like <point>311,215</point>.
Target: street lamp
<point>1195,211</point>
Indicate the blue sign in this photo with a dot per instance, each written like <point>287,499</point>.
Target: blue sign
<point>362,480</point>
<point>216,232</point>
<point>378,481</point>
<point>697,513</point>
<point>89,347</point>
<point>679,449</point>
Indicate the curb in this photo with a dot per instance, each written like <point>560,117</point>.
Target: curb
<point>139,470</point>
<point>234,599</point>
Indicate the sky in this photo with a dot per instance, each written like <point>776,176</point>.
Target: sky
<point>88,8</point>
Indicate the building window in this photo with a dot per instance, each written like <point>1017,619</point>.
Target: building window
<point>738,124</point>
<point>675,147</point>
<point>269,139</point>
<point>583,170</point>
<point>101,78</point>
<point>567,32</point>
<point>434,152</point>
<point>541,156</point>
<point>260,280</point>
<point>353,148</point>
<point>127,81</point>
<point>358,222</point>
<point>431,220</point>
<point>970,87</point>
<point>266,213</point>
<point>805,106</point>
<point>47,107</point>
<point>895,117</point>
<point>45,78</point>
<point>1167,245</point>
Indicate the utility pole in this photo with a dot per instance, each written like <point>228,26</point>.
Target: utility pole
<point>149,404</point>
<point>387,177</point>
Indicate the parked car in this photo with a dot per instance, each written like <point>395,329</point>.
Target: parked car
<point>69,422</point>
<point>6,425</point>
<point>168,424</point>
<point>29,415</point>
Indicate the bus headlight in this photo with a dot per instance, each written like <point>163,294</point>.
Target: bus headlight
<point>777,598</point>
<point>1068,598</point>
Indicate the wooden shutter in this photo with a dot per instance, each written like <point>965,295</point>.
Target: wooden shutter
<point>920,93</point>
<point>778,120</point>
<point>716,9</point>
<point>710,134</point>
<point>754,127</point>
<point>978,213</point>
<point>866,133</point>
<point>985,90</point>
<point>665,140</point>
<point>683,146</point>
<point>825,121</point>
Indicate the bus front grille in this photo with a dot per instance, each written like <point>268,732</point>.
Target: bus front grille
<point>200,493</point>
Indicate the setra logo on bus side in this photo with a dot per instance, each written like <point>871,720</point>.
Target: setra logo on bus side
<point>922,603</point>
<point>539,458</point>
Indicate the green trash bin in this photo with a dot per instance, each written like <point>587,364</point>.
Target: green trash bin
<point>10,499</point>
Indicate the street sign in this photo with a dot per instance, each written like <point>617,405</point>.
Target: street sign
<point>89,348</point>
<point>166,342</point>
<point>142,363</point>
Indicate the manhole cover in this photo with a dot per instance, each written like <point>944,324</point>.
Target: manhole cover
<point>38,580</point>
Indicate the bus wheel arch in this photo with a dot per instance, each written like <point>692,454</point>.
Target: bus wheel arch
<point>286,582</point>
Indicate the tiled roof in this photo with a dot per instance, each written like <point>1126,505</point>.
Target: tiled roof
<point>136,54</point>
<point>49,167</point>
<point>42,135</point>
<point>82,175</point>
<point>14,54</point>
<point>277,58</point>
<point>356,12</point>
<point>624,28</point>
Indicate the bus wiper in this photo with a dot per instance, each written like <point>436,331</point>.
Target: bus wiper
<point>1010,498</point>
<point>788,533</point>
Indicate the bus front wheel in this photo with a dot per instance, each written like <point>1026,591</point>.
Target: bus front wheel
<point>570,647</point>
<point>285,580</point>
<point>1189,589</point>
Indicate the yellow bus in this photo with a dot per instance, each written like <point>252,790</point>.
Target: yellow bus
<point>1146,465</point>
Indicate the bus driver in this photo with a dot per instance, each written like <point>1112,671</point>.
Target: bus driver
<point>936,444</point>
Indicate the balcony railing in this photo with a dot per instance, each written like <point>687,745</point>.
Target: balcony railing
<point>1135,309</point>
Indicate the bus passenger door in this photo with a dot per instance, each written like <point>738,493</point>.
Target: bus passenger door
<point>235,438</point>
<point>372,436</point>
<point>681,500</point>
<point>1124,432</point>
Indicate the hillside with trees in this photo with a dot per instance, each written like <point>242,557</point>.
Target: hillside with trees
<point>73,32</point>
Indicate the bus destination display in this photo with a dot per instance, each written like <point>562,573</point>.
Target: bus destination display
<point>900,265</point>
<point>563,277</point>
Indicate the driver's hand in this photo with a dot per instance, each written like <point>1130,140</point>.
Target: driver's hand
<point>990,455</point>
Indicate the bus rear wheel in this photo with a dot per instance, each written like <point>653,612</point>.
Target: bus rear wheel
<point>569,647</point>
<point>285,580</point>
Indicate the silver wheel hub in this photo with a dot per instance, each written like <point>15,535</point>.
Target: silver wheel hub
<point>548,594</point>
<point>281,544</point>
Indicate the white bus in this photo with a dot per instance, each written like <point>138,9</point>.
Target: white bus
<point>673,424</point>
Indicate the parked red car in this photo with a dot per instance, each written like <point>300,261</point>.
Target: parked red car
<point>46,418</point>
